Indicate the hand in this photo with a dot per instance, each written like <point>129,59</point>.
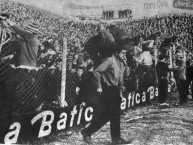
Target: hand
<point>172,80</point>
<point>170,66</point>
<point>7,58</point>
<point>123,89</point>
<point>83,104</point>
<point>99,90</point>
<point>77,90</point>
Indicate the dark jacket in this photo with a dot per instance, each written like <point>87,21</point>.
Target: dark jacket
<point>27,53</point>
<point>162,70</point>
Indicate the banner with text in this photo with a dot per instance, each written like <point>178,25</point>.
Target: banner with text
<point>22,128</point>
<point>28,127</point>
<point>183,4</point>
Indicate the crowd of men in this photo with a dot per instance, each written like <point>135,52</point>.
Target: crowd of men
<point>101,57</point>
<point>53,29</point>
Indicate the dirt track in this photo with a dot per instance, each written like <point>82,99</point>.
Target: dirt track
<point>151,125</point>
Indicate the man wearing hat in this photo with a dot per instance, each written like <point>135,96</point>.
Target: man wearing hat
<point>24,59</point>
<point>180,76</point>
<point>109,82</point>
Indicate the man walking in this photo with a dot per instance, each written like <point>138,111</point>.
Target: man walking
<point>109,81</point>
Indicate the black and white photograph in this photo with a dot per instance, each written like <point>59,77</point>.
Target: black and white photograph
<point>96,72</point>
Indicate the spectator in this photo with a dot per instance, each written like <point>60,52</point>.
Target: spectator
<point>144,71</point>
<point>180,76</point>
<point>162,73</point>
<point>78,32</point>
<point>25,61</point>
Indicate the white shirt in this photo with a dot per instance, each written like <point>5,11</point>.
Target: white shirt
<point>145,58</point>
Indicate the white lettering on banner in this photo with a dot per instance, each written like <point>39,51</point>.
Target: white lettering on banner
<point>44,123</point>
<point>80,112</point>
<point>143,97</point>
<point>134,98</point>
<point>156,91</point>
<point>61,124</point>
<point>12,136</point>
<point>73,113</point>
<point>123,103</point>
<point>137,98</point>
<point>151,91</point>
<point>88,118</point>
<point>129,100</point>
<point>48,121</point>
<point>154,5</point>
<point>169,88</point>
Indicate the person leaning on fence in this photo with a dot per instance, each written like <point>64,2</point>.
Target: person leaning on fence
<point>109,81</point>
<point>162,73</point>
<point>24,60</point>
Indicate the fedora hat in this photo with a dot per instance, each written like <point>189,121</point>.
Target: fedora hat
<point>33,28</point>
<point>97,43</point>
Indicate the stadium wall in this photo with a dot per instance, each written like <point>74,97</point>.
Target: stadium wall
<point>94,8</point>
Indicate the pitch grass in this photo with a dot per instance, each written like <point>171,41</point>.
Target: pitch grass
<point>150,125</point>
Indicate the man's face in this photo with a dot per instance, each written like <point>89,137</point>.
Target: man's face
<point>141,40</point>
<point>157,40</point>
<point>122,54</point>
<point>80,71</point>
<point>80,61</point>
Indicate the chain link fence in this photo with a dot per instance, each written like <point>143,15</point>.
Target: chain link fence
<point>44,90</point>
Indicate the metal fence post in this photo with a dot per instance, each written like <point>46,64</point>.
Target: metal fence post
<point>63,102</point>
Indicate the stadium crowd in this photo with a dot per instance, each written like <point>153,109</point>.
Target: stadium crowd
<point>54,28</point>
